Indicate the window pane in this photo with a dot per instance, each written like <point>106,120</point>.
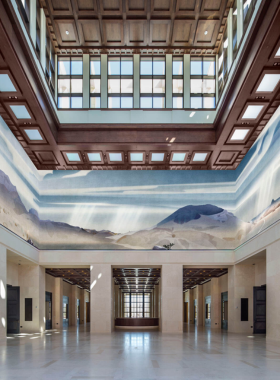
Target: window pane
<point>146,67</point>
<point>146,86</point>
<point>127,86</point>
<point>177,86</point>
<point>95,67</point>
<point>95,102</point>
<point>64,67</point>
<point>77,102</point>
<point>159,86</point>
<point>177,67</point>
<point>196,102</point>
<point>196,86</point>
<point>95,86</point>
<point>209,102</point>
<point>63,86</point>
<point>146,102</point>
<point>114,67</point>
<point>209,86</point>
<point>208,67</point>
<point>196,67</point>
<point>76,86</point>
<point>158,66</point>
<point>126,102</point>
<point>63,102</point>
<point>158,102</point>
<point>76,67</point>
<point>177,102</point>
<point>126,67</point>
<point>114,86</point>
<point>114,102</point>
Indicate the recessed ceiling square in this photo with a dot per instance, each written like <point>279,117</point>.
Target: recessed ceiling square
<point>6,85</point>
<point>74,157</point>
<point>33,134</point>
<point>136,157</point>
<point>269,83</point>
<point>115,157</point>
<point>157,157</point>
<point>20,112</point>
<point>239,134</point>
<point>199,157</point>
<point>178,157</point>
<point>94,157</point>
<point>252,111</point>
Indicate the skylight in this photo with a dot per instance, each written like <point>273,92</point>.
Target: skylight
<point>94,157</point>
<point>73,157</point>
<point>278,53</point>
<point>239,134</point>
<point>136,157</point>
<point>157,157</point>
<point>20,112</point>
<point>178,157</point>
<point>269,82</point>
<point>199,157</point>
<point>6,85</point>
<point>33,134</point>
<point>117,157</point>
<point>252,112</point>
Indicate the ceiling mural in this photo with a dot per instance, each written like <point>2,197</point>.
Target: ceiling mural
<point>141,210</point>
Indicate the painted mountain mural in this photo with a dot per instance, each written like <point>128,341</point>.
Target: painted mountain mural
<point>190,227</point>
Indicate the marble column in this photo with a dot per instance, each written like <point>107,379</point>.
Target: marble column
<point>3,293</point>
<point>73,306</point>
<point>172,293</point>
<point>116,301</point>
<point>215,303</point>
<point>272,291</point>
<point>200,302</point>
<point>191,306</point>
<point>58,303</point>
<point>101,298</point>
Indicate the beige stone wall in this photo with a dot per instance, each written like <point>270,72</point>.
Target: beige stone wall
<point>3,294</point>
<point>12,273</point>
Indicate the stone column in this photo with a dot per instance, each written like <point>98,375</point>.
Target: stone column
<point>215,303</point>
<point>191,306</point>
<point>101,298</point>
<point>172,287</point>
<point>200,305</point>
<point>116,301</point>
<point>58,303</point>
<point>3,293</point>
<point>73,306</point>
<point>83,297</point>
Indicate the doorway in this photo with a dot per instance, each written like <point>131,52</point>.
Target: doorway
<point>87,312</point>
<point>13,309</point>
<point>259,309</point>
<point>65,311</point>
<point>208,311</point>
<point>224,311</point>
<point>48,311</point>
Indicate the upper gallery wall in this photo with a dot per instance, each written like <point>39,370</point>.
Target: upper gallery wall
<point>141,209</point>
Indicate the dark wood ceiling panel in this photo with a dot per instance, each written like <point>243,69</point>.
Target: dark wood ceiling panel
<point>113,32</point>
<point>160,32</point>
<point>211,5</point>
<point>136,279</point>
<point>206,32</point>
<point>73,276</point>
<point>60,7</point>
<point>183,32</point>
<point>67,32</point>
<point>136,6</point>
<point>186,5</point>
<point>111,6</point>
<point>162,6</point>
<point>90,31</point>
<point>136,32</point>
<point>199,276</point>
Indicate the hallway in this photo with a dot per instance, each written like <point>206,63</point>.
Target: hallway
<point>195,354</point>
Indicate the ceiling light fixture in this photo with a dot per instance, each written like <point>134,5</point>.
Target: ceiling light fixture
<point>173,139</point>
<point>206,32</point>
<point>192,114</point>
<point>67,32</point>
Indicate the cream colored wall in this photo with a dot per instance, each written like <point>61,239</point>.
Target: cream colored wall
<point>260,272</point>
<point>3,300</point>
<point>272,291</point>
<point>223,282</point>
<point>12,273</point>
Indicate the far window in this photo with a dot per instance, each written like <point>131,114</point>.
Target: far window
<point>177,82</point>
<point>137,305</point>
<point>95,82</point>
<point>120,82</point>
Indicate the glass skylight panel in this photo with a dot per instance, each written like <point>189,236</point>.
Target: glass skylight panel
<point>115,157</point>
<point>199,157</point>
<point>6,85</point>
<point>74,157</point>
<point>252,112</point>
<point>269,83</point>
<point>178,157</point>
<point>33,134</point>
<point>278,53</point>
<point>136,157</point>
<point>157,157</point>
<point>20,112</point>
<point>94,157</point>
<point>239,134</point>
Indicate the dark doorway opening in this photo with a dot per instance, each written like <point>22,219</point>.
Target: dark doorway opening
<point>65,311</point>
<point>186,312</point>
<point>224,311</point>
<point>48,311</point>
<point>87,311</point>
<point>259,309</point>
<point>13,310</point>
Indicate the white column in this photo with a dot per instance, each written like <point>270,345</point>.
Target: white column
<point>215,304</point>
<point>187,81</point>
<point>104,76</point>
<point>101,298</point>
<point>191,306</point>
<point>73,305</point>
<point>56,74</point>
<point>43,40</point>
<point>200,313</point>
<point>58,303</point>
<point>239,21</point>
<point>136,81</point>
<point>3,293</point>
<point>172,288</point>
<point>86,80</point>
<point>32,21</point>
<point>230,38</point>
<point>168,84</point>
<point>217,79</point>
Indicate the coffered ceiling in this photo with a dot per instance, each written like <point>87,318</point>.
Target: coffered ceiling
<point>73,276</point>
<point>27,109</point>
<point>136,279</point>
<point>199,276</point>
<point>186,25</point>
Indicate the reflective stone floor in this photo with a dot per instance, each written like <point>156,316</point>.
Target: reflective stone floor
<point>195,354</point>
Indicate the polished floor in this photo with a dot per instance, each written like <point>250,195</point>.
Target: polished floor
<point>195,354</point>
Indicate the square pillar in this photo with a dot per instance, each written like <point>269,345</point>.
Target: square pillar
<point>172,293</point>
<point>187,81</point>
<point>191,307</point>
<point>58,303</point>
<point>136,81</point>
<point>200,302</point>
<point>272,291</point>
<point>103,83</point>
<point>86,80</point>
<point>215,303</point>
<point>168,85</point>
<point>101,298</point>
<point>73,306</point>
<point>3,293</point>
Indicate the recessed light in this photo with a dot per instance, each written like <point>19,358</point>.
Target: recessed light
<point>278,53</point>
<point>115,157</point>
<point>199,157</point>
<point>136,157</point>
<point>173,139</point>
<point>73,157</point>
<point>206,32</point>
<point>96,157</point>
<point>6,85</point>
<point>157,157</point>
<point>67,32</point>
<point>178,157</point>
<point>20,112</point>
<point>207,116</point>
<point>33,134</point>
<point>192,114</point>
<point>252,112</point>
<point>239,134</point>
<point>166,138</point>
<point>268,83</point>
